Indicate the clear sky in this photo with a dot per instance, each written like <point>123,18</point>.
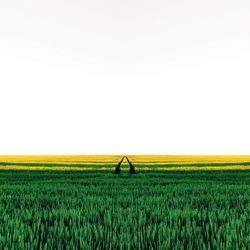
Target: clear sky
<point>125,77</point>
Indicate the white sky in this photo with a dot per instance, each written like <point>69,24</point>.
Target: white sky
<point>125,77</point>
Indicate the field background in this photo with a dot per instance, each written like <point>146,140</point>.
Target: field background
<point>141,162</point>
<point>77,202</point>
<point>101,210</point>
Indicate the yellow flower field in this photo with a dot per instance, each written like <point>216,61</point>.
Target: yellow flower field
<point>141,162</point>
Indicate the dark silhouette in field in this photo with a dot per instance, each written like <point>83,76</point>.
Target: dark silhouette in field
<point>118,167</point>
<point>132,168</point>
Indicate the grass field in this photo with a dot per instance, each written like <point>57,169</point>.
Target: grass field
<point>152,209</point>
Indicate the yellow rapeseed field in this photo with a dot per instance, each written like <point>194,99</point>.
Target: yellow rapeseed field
<point>67,159</point>
<point>186,159</point>
<point>107,162</point>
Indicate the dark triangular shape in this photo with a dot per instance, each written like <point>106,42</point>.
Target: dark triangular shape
<point>118,167</point>
<point>132,168</point>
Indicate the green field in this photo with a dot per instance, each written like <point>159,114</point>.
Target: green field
<point>148,210</point>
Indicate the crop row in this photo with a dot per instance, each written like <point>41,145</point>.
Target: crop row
<point>154,210</point>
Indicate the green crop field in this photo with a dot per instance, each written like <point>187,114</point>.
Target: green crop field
<point>148,210</point>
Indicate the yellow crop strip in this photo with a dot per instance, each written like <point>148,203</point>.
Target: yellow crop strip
<point>13,167</point>
<point>102,159</point>
<point>108,162</point>
<point>70,159</point>
<point>236,167</point>
<point>187,159</point>
<point>111,169</point>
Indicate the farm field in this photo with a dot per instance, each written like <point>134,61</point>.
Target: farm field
<point>148,210</point>
<point>108,162</point>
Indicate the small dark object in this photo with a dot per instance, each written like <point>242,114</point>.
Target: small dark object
<point>132,168</point>
<point>118,167</point>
